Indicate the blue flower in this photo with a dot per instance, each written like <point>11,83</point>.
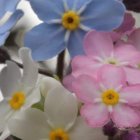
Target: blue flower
<point>65,23</point>
<point>7,6</point>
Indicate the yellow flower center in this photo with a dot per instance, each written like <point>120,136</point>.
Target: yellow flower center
<point>17,100</point>
<point>58,134</point>
<point>70,20</point>
<point>110,97</point>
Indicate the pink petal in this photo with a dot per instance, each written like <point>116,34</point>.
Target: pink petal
<point>127,53</point>
<point>111,76</point>
<point>83,62</point>
<point>128,23</point>
<point>134,38</point>
<point>67,82</point>
<point>131,94</point>
<point>96,115</point>
<point>86,88</point>
<point>98,44</point>
<point>133,75</point>
<point>124,116</point>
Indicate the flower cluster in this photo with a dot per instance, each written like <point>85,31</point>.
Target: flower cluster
<point>100,95</point>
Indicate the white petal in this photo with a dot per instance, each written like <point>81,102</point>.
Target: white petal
<point>32,97</point>
<point>30,71</point>
<point>5,134</point>
<point>47,84</point>
<point>31,125</point>
<point>81,131</point>
<point>61,108</point>
<point>9,79</point>
<point>5,114</point>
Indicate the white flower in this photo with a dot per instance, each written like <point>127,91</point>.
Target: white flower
<point>59,120</point>
<point>19,90</point>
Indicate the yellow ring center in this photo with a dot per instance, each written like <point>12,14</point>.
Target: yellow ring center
<point>110,97</point>
<point>58,134</point>
<point>70,20</point>
<point>17,100</point>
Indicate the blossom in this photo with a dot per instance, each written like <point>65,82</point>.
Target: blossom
<point>100,50</point>
<point>66,22</point>
<point>19,91</point>
<point>8,7</point>
<point>108,97</point>
<point>58,121</point>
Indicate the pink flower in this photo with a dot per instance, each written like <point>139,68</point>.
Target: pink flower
<point>108,98</point>
<point>100,50</point>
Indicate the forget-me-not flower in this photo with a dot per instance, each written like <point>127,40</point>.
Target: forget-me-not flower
<point>9,16</point>
<point>65,23</point>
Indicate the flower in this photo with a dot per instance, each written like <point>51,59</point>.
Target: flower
<point>58,121</point>
<point>9,16</point>
<point>19,91</point>
<point>100,50</point>
<point>66,22</point>
<point>108,97</point>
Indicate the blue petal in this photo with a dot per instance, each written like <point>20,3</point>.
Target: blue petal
<point>7,5</point>
<point>48,9</point>
<point>45,41</point>
<point>3,37</point>
<point>11,21</point>
<point>75,45</point>
<point>77,4</point>
<point>103,15</point>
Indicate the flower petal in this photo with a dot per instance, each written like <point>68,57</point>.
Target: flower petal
<point>112,76</point>
<point>75,43</point>
<point>48,10</point>
<point>11,21</point>
<point>30,72</point>
<point>96,115</point>
<point>32,97</point>
<point>9,5</point>
<point>3,37</point>
<point>124,116</point>
<point>9,79</point>
<point>45,41</point>
<point>31,125</point>
<point>98,44</point>
<point>128,23</point>
<point>6,133</point>
<point>86,88</point>
<point>61,108</point>
<point>87,63</point>
<point>134,38</point>
<point>5,111</point>
<point>67,82</point>
<point>122,51</point>
<point>82,131</point>
<point>131,94</point>
<point>103,15</point>
<point>48,84</point>
<point>132,75</point>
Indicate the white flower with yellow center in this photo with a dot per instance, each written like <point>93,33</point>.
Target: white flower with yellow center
<point>59,120</point>
<point>19,90</point>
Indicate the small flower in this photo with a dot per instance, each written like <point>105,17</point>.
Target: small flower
<point>100,50</point>
<point>19,91</point>
<point>108,98</point>
<point>6,24</point>
<point>66,22</point>
<point>59,120</point>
